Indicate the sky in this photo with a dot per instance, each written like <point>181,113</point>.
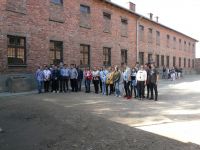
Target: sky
<point>181,15</point>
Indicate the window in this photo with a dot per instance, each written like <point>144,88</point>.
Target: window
<point>124,27</point>
<point>150,58</point>
<point>174,61</point>
<point>150,34</point>
<point>184,62</point>
<point>57,1</point>
<point>124,56</point>
<point>192,63</point>
<point>157,38</point>
<point>167,61</point>
<point>16,50</point>
<point>84,55</point>
<point>141,33</point>
<point>179,61</point>
<point>107,56</point>
<point>141,58</point>
<point>193,47</point>
<point>188,63</point>
<point>180,44</point>
<point>189,46</point>
<point>107,22</point>
<point>157,60</point>
<point>85,18</point>
<point>162,60</point>
<point>168,41</point>
<point>56,52</point>
<point>85,9</point>
<point>174,43</point>
<point>185,45</point>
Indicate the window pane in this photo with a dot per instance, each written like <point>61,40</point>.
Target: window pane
<point>85,9</point>
<point>84,55</point>
<point>57,1</point>
<point>56,52</point>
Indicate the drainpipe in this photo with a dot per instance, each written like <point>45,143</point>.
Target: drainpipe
<point>137,38</point>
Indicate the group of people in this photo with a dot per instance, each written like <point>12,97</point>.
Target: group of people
<point>172,74</point>
<point>122,82</point>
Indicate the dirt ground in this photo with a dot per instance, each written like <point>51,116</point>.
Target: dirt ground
<point>80,121</point>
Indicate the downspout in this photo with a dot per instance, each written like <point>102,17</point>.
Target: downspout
<point>137,38</point>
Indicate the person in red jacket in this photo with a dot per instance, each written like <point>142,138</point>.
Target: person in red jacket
<point>88,78</point>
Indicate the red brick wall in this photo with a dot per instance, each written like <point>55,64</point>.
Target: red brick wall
<point>162,49</point>
<point>41,22</point>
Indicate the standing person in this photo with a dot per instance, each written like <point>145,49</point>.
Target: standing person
<point>133,82</point>
<point>73,78</point>
<point>154,76</point>
<point>80,78</point>
<point>103,75</point>
<point>95,75</point>
<point>88,78</point>
<point>127,82</point>
<point>65,73</point>
<point>40,78</point>
<point>116,79</point>
<point>100,81</point>
<point>109,81</point>
<point>47,78</point>
<point>141,81</point>
<point>173,74</point>
<point>55,79</point>
<point>147,68</point>
<point>164,72</point>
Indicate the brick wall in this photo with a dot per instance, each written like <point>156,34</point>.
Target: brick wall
<point>41,22</point>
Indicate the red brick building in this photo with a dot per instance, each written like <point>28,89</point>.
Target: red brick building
<point>86,33</point>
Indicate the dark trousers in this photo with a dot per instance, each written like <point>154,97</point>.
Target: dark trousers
<point>148,89</point>
<point>46,86</point>
<point>74,85</point>
<point>96,86</point>
<point>141,87</point>
<point>153,87</point>
<point>64,84</point>
<point>55,85</point>
<point>127,88</point>
<point>79,82</point>
<point>111,89</point>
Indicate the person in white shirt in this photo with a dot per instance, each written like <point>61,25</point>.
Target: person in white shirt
<point>47,77</point>
<point>127,82</point>
<point>141,78</point>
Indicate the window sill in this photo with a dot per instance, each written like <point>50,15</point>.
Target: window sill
<point>109,32</point>
<point>126,36</point>
<point>25,65</point>
<point>86,27</point>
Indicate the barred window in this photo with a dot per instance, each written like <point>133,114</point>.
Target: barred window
<point>16,50</point>
<point>124,57</point>
<point>107,56</point>
<point>56,52</point>
<point>85,55</point>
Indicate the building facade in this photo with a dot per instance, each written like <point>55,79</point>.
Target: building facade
<point>85,33</point>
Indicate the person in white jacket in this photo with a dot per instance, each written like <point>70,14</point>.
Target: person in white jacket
<point>141,78</point>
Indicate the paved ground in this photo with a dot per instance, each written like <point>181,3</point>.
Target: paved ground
<point>79,121</point>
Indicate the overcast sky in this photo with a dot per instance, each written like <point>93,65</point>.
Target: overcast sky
<point>181,15</point>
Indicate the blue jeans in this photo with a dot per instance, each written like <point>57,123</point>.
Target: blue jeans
<point>117,91</point>
<point>103,88</point>
<point>87,85</point>
<point>39,83</point>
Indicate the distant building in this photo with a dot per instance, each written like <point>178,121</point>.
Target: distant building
<point>85,33</point>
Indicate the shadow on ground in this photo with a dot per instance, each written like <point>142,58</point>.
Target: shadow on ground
<point>34,124</point>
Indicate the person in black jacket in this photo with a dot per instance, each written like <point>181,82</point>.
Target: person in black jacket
<point>55,79</point>
<point>80,78</point>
